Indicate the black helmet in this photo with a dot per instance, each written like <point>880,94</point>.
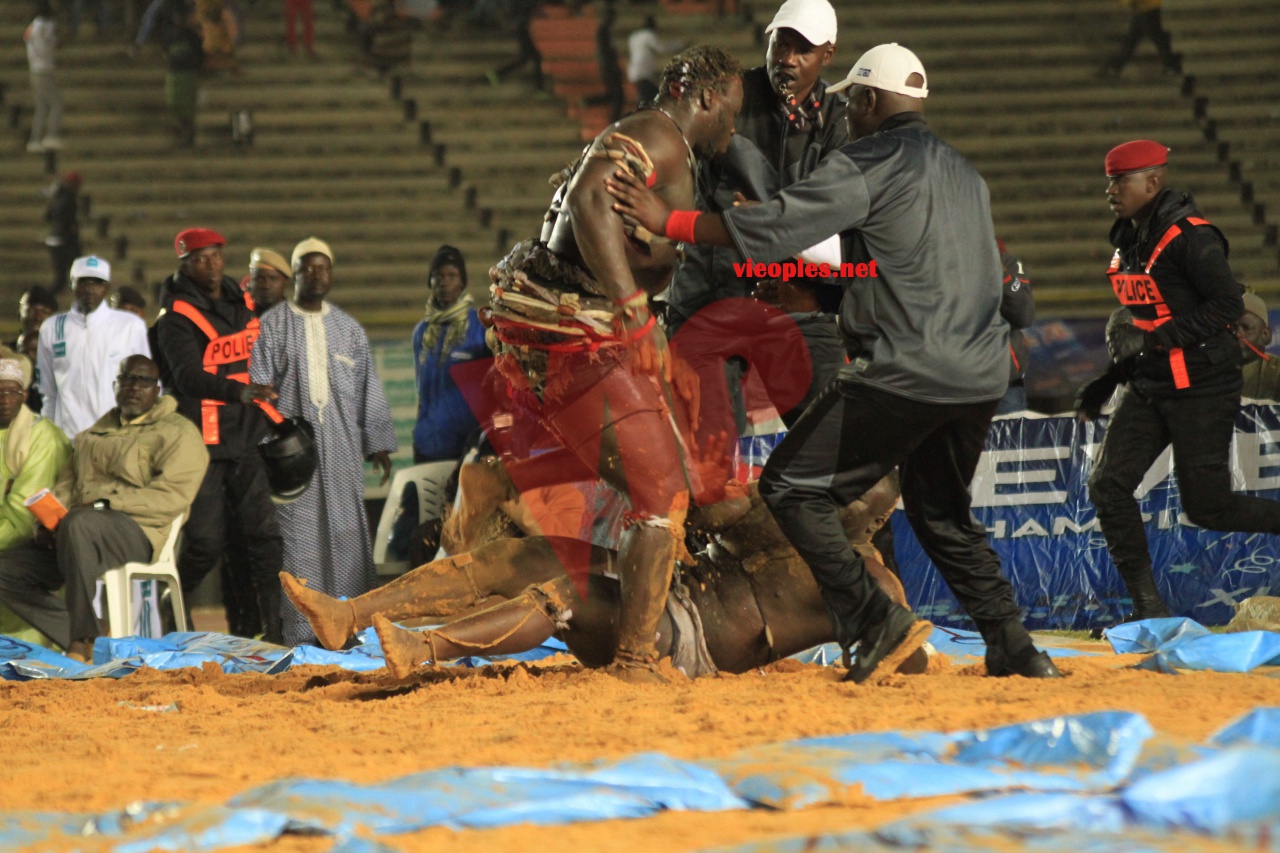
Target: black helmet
<point>290,458</point>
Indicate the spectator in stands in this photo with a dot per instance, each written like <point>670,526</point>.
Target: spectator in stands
<point>125,298</point>
<point>203,340</point>
<point>80,349</point>
<point>1261,369</point>
<point>133,472</point>
<point>318,358</point>
<point>218,33</point>
<point>450,334</point>
<point>161,11</point>
<point>35,306</point>
<point>521,12</point>
<point>63,215</point>
<point>388,37</point>
<point>293,9</point>
<point>607,62</point>
<point>268,274</point>
<point>643,49</point>
<point>1145,23</point>
<point>1018,308</point>
<point>32,453</point>
<point>184,50</point>
<point>42,44</point>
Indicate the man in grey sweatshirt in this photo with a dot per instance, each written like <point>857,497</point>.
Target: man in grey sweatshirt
<point>928,360</point>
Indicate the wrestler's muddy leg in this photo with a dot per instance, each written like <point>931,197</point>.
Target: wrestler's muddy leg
<point>639,457</point>
<point>512,626</point>
<point>439,588</point>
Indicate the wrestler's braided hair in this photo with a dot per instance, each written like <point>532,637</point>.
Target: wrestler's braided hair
<point>700,67</point>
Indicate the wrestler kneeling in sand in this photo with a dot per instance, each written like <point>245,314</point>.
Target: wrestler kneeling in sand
<point>745,600</point>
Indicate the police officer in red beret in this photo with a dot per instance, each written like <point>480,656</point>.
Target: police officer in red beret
<point>203,341</point>
<point>1182,361</point>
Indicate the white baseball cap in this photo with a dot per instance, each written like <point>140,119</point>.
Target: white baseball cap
<point>90,266</point>
<point>813,19</point>
<point>887,67</point>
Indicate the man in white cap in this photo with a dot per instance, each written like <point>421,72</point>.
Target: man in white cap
<point>789,121</point>
<point>929,361</point>
<point>318,359</point>
<point>79,350</point>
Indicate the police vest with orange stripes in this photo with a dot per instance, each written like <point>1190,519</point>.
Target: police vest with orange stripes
<point>1138,290</point>
<point>229,353</point>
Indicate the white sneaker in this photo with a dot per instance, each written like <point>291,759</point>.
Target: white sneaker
<point>35,147</point>
<point>52,143</point>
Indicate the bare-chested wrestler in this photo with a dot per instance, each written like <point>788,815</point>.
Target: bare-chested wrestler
<point>746,600</point>
<point>582,355</point>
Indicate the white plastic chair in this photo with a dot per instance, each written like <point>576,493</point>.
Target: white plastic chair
<point>119,585</point>
<point>429,478</point>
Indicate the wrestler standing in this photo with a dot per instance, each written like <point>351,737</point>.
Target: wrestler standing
<point>583,357</point>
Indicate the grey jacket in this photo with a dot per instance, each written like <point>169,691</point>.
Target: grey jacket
<point>928,327</point>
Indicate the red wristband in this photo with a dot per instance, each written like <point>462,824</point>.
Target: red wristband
<point>643,330</point>
<point>679,225</point>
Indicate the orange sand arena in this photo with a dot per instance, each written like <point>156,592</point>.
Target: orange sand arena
<point>74,746</point>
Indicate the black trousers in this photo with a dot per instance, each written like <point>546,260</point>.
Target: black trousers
<point>90,542</point>
<point>234,502</point>
<point>1146,25</point>
<point>1200,430</point>
<point>845,442</point>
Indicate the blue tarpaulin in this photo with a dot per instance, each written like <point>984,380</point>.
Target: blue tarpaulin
<point>1030,491</point>
<point>1083,783</point>
<point>117,657</point>
<point>1178,644</point>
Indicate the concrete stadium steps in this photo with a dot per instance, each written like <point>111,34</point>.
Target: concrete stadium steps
<point>334,155</point>
<point>1012,81</point>
<point>1238,101</point>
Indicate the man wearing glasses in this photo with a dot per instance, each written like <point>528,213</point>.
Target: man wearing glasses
<point>131,474</point>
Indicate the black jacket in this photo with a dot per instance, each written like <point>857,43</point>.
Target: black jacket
<point>179,346</point>
<point>1203,296</point>
<point>768,152</point>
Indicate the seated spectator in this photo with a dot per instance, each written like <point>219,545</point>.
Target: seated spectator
<point>449,334</point>
<point>126,298</point>
<point>1261,369</point>
<point>27,345</point>
<point>133,472</point>
<point>32,452</point>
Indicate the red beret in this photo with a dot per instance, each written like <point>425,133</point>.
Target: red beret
<point>1135,156</point>
<point>194,239</point>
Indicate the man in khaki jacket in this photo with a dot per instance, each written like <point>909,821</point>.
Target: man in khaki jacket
<point>133,472</point>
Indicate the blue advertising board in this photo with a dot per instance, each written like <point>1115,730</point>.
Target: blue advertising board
<point>1031,493</point>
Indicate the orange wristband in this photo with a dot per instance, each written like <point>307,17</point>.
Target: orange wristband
<point>679,225</point>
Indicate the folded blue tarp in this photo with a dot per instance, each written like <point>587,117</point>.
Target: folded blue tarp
<point>1088,786</point>
<point>114,658</point>
<point>1178,643</point>
<point>1087,752</point>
